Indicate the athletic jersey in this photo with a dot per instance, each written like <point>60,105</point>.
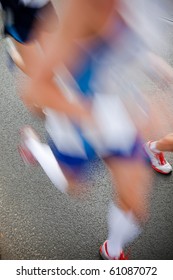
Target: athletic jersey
<point>105,57</point>
<point>101,76</point>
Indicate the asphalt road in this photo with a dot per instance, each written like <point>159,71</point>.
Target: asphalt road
<point>38,222</point>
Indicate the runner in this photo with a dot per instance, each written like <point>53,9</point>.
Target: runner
<point>84,88</point>
<point>86,113</point>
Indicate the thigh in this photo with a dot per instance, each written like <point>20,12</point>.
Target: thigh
<point>74,166</point>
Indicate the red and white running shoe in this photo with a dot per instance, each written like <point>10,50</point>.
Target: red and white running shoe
<point>26,133</point>
<point>105,255</point>
<point>158,161</point>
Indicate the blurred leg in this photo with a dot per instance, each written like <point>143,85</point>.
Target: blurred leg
<point>131,179</point>
<point>165,144</point>
<point>130,206</point>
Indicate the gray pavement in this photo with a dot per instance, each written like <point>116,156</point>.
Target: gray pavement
<point>38,222</point>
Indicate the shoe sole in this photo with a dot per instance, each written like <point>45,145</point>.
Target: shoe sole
<point>25,154</point>
<point>101,253</point>
<point>160,171</point>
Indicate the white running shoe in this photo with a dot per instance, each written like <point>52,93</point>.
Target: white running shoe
<point>26,133</point>
<point>33,151</point>
<point>158,161</point>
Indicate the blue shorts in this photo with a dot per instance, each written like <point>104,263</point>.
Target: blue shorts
<point>77,165</point>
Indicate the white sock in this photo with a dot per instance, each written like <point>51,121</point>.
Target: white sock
<point>46,159</point>
<point>123,228</point>
<point>153,147</point>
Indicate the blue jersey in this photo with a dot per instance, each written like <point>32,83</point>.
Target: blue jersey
<point>100,75</point>
<point>106,56</point>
